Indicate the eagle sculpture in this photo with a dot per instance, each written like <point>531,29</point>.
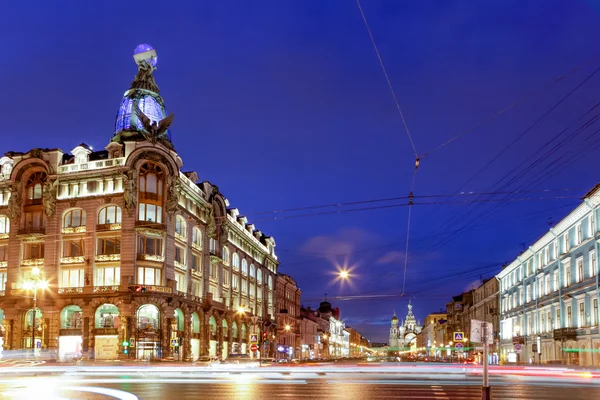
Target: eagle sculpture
<point>153,130</point>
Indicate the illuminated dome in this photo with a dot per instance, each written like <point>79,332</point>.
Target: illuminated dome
<point>145,94</point>
<point>145,52</point>
<point>394,318</point>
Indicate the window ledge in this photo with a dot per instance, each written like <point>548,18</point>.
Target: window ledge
<point>108,257</point>
<point>150,257</point>
<point>32,262</point>
<point>77,229</point>
<point>72,260</point>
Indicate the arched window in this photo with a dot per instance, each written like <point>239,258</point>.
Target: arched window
<point>259,276</point>
<point>225,255</point>
<point>4,224</point>
<point>252,271</point>
<point>234,330</point>
<point>271,282</point>
<point>195,323</point>
<point>107,316</point>
<point>74,218</point>
<point>244,267</point>
<point>71,318</point>
<point>236,261</point>
<point>148,317</point>
<point>212,323</point>
<point>197,238</point>
<point>243,330</point>
<point>151,192</point>
<point>35,187</point>
<point>33,204</point>
<point>109,215</point>
<point>179,319</point>
<point>27,323</point>
<point>225,328</point>
<point>180,226</point>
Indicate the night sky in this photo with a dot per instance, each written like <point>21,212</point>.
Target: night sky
<point>283,105</point>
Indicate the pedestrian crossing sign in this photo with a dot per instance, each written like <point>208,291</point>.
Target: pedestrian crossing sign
<point>253,338</point>
<point>459,336</point>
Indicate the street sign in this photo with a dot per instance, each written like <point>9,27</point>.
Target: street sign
<point>132,342</point>
<point>477,329</point>
<point>174,342</point>
<point>459,336</point>
<point>254,348</point>
<point>458,346</point>
<point>534,348</point>
<point>253,338</point>
<point>518,347</point>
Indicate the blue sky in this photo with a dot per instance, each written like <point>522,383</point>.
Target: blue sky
<point>283,104</point>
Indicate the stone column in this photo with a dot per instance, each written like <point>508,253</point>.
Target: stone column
<point>187,338</point>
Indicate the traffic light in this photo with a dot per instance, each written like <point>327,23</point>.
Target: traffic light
<point>138,289</point>
<point>125,347</point>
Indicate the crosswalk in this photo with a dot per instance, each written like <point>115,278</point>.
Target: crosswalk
<point>20,363</point>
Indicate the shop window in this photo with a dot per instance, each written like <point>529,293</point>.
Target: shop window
<point>148,317</point>
<point>28,319</point>
<point>179,319</point>
<point>195,323</point>
<point>70,317</point>
<point>107,316</point>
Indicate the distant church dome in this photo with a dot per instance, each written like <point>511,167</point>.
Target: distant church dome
<point>394,318</point>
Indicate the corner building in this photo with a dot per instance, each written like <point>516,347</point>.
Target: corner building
<point>132,248</point>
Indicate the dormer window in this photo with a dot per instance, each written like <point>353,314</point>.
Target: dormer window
<point>81,153</point>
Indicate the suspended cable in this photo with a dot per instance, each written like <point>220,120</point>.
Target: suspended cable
<point>387,78</point>
<point>514,104</point>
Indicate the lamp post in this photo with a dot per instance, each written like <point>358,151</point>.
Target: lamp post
<point>33,284</point>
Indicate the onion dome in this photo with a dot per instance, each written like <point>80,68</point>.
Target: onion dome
<point>394,318</point>
<point>142,113</point>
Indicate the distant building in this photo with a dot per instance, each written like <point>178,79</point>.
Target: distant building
<point>426,338</point>
<point>403,336</point>
<point>288,317</point>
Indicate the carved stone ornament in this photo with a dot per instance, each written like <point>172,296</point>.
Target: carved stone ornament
<point>14,202</point>
<point>130,190</point>
<point>49,196</point>
<point>212,225</point>
<point>36,153</point>
<point>173,196</point>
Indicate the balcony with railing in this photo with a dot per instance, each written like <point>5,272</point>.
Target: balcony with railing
<point>91,165</point>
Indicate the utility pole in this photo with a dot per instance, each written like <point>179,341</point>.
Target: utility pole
<point>485,390</point>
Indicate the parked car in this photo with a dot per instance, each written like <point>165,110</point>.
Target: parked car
<point>241,360</point>
<point>208,361</point>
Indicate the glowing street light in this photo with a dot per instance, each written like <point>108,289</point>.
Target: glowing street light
<point>241,310</point>
<point>287,328</point>
<point>34,284</point>
<point>344,274</point>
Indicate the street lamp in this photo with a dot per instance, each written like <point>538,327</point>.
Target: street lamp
<point>34,284</point>
<point>287,328</point>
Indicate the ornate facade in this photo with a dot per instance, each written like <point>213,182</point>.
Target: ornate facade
<point>133,249</point>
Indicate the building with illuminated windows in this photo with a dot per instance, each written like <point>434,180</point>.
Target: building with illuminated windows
<point>288,317</point>
<point>133,249</point>
<point>549,294</point>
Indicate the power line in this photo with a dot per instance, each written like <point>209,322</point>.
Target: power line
<point>387,199</point>
<point>387,78</point>
<point>408,205</point>
<point>514,104</point>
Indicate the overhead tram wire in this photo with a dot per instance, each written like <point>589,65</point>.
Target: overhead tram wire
<point>513,105</point>
<point>412,142</point>
<point>387,199</point>
<point>460,217</point>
